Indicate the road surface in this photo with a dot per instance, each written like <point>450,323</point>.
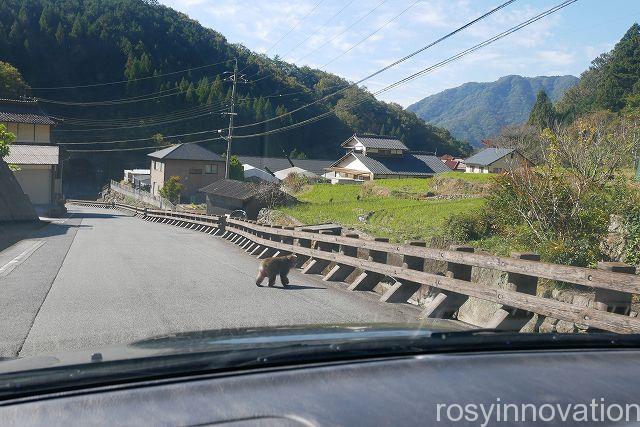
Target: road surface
<point>101,277</point>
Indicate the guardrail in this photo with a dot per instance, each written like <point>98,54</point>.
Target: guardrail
<point>142,195</point>
<point>365,263</point>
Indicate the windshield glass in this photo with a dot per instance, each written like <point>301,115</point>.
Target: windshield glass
<point>241,174</point>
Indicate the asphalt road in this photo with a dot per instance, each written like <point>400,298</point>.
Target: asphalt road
<point>101,277</point>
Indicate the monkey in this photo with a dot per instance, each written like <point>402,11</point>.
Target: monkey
<point>271,267</point>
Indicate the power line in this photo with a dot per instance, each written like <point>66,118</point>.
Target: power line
<point>324,24</point>
<point>342,32</point>
<point>157,123</point>
<point>141,148</point>
<point>132,80</point>
<point>288,32</point>
<point>82,121</point>
<point>446,36</point>
<point>119,149</point>
<point>296,25</point>
<point>135,139</point>
<point>373,33</point>
<point>425,70</point>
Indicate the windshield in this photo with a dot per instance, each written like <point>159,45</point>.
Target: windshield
<point>254,173</point>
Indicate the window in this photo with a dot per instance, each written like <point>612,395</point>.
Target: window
<point>195,171</point>
<point>211,169</point>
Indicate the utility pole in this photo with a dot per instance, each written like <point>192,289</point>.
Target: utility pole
<point>234,79</point>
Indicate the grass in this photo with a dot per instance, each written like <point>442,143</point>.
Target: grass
<point>469,177</point>
<point>407,185</point>
<point>394,217</point>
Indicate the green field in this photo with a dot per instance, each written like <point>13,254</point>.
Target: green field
<point>392,216</point>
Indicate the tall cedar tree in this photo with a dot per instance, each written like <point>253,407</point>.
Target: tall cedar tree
<point>543,115</point>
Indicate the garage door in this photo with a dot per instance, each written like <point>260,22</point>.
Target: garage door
<point>36,183</point>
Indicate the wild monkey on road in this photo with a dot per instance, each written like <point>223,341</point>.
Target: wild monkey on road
<point>271,267</point>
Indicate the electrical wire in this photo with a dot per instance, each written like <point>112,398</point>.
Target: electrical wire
<point>135,139</point>
<point>132,80</point>
<point>158,123</point>
<point>446,36</point>
<point>423,71</point>
<point>82,121</point>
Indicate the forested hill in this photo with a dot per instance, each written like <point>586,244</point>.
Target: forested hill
<point>476,111</point>
<point>612,82</point>
<point>58,43</point>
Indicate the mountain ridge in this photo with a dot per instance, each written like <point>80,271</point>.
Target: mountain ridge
<point>475,111</point>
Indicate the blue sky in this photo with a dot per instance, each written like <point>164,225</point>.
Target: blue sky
<point>563,43</point>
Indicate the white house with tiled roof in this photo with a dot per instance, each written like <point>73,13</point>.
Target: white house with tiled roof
<point>372,157</point>
<point>37,159</point>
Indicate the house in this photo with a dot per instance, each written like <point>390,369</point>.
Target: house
<point>372,157</point>
<point>272,165</point>
<point>227,195</point>
<point>453,163</point>
<point>195,165</point>
<point>495,160</point>
<point>37,160</point>
<point>253,174</point>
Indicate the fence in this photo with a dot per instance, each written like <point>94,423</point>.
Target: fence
<point>364,263</point>
<point>142,195</point>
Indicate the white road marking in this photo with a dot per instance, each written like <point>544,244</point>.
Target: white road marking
<point>8,267</point>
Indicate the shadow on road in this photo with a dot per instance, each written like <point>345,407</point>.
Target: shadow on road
<point>300,287</point>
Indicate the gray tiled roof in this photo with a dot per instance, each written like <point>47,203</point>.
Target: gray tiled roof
<point>32,155</point>
<point>18,111</point>
<point>231,188</point>
<point>409,164</point>
<point>275,164</point>
<point>488,156</point>
<point>186,152</point>
<point>375,141</point>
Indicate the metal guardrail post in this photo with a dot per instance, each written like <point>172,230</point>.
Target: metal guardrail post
<point>368,280</point>
<point>447,303</point>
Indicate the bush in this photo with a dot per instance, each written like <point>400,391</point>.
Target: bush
<point>295,182</point>
<point>171,189</point>
<point>469,226</point>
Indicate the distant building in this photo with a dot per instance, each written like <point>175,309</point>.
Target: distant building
<point>138,178</point>
<point>495,160</point>
<point>196,166</point>
<point>273,165</point>
<point>372,157</point>
<point>453,163</point>
<point>227,195</point>
<point>38,160</point>
<point>253,174</point>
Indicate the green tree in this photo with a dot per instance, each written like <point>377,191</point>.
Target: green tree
<point>543,115</point>
<point>236,171</point>
<point>172,189</point>
<point>12,85</point>
<point>6,139</point>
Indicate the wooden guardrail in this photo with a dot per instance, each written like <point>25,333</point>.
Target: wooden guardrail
<point>364,263</point>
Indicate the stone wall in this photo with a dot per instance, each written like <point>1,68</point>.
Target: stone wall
<point>14,204</point>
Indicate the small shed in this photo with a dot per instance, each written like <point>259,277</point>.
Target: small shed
<point>227,195</point>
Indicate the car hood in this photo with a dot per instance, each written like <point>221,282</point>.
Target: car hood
<point>232,340</point>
